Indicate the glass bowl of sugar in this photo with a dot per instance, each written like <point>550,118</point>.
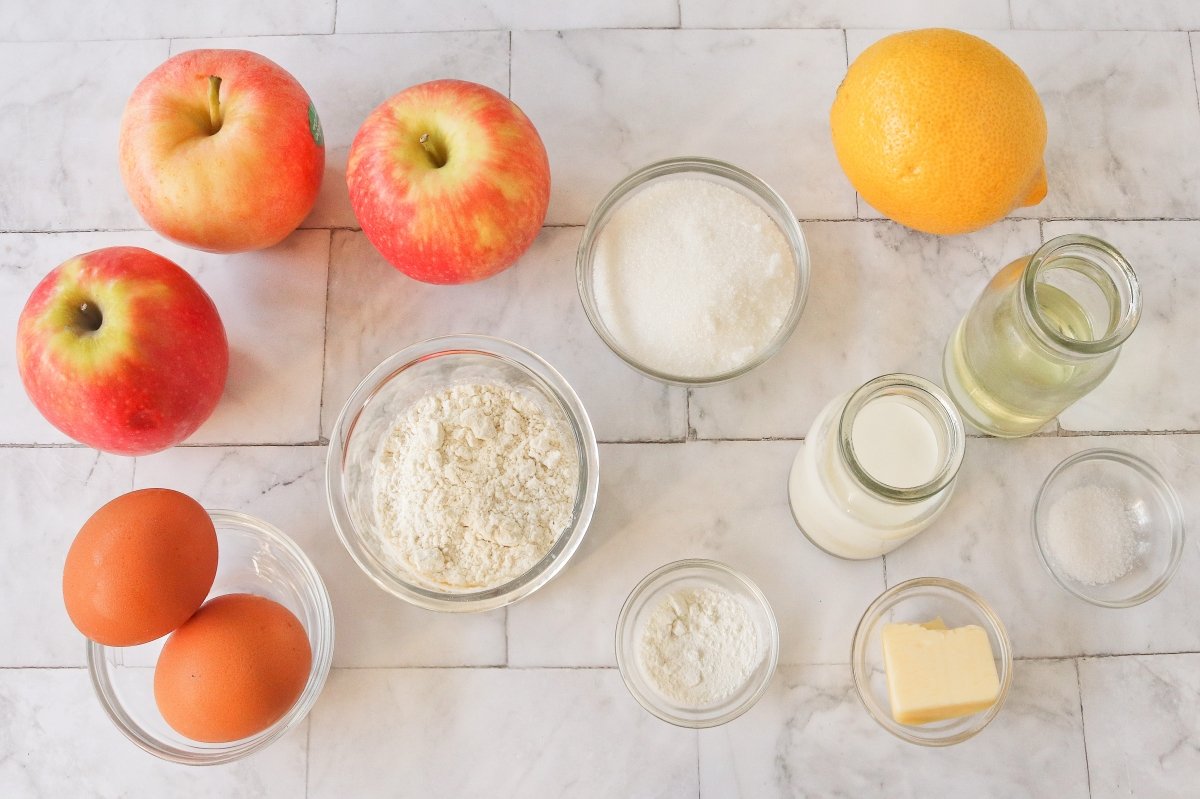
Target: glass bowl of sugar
<point>693,271</point>
<point>1108,527</point>
<point>696,643</point>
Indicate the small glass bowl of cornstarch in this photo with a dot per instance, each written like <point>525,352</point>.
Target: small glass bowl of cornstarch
<point>1109,528</point>
<point>462,473</point>
<point>697,643</point>
<point>693,271</point>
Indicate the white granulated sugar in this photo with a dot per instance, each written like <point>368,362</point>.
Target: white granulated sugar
<point>474,485</point>
<point>692,278</point>
<point>699,646</point>
<point>1092,536</point>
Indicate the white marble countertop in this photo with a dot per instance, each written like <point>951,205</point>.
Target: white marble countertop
<point>527,702</point>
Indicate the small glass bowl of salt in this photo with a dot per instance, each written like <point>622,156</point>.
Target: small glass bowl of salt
<point>1109,528</point>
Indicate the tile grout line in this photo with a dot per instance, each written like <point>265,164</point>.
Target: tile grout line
<point>332,30</point>
<point>560,667</point>
<point>1192,57</point>
<point>568,225</point>
<point>603,29</point>
<point>1011,24</point>
<point>1060,433</point>
<point>507,650</point>
<point>307,751</point>
<point>1087,766</point>
<point>325,339</point>
<point>846,52</point>
<point>510,88</point>
<point>689,431</point>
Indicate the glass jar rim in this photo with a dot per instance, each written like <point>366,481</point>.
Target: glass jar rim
<point>1112,262</point>
<point>933,398</point>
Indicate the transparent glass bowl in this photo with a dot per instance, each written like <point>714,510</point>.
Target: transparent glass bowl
<point>254,558</point>
<point>916,601</point>
<point>694,574</point>
<point>1153,505</point>
<point>723,174</point>
<point>367,418</point>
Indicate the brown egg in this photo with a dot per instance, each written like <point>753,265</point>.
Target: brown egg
<point>139,567</point>
<point>234,669</point>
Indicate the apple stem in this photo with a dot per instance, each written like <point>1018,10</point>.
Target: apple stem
<point>214,103</point>
<point>436,157</point>
<point>90,317</point>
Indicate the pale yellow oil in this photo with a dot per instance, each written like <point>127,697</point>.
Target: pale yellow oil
<point>1005,380</point>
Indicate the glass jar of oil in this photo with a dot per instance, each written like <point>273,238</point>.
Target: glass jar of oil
<point>1044,332</point>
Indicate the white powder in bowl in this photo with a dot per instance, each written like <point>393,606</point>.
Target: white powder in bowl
<point>699,646</point>
<point>1092,536</point>
<point>692,278</point>
<point>473,486</point>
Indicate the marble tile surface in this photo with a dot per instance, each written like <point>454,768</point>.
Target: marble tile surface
<point>726,501</point>
<point>45,497</point>
<point>525,701</point>
<point>272,304</point>
<point>881,299</point>
<point>1155,383</point>
<point>713,93</point>
<point>383,15</point>
<point>845,14</point>
<point>811,736</point>
<point>56,741</point>
<point>60,112</point>
<point>151,19</point>
<point>374,311</point>
<point>1140,722</point>
<point>1106,15</point>
<point>984,540</point>
<point>286,487</point>
<point>347,76</point>
<point>1121,115</point>
<point>516,732</point>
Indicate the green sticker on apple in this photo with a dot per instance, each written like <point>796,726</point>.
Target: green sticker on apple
<point>314,125</point>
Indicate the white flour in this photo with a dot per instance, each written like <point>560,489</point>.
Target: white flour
<point>699,646</point>
<point>693,278</point>
<point>474,485</point>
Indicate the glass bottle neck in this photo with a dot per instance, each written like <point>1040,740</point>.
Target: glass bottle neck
<point>1079,296</point>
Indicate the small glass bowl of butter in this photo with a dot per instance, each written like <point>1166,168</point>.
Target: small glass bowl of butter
<point>947,612</point>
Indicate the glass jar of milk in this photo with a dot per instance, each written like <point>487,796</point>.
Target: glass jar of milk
<point>877,467</point>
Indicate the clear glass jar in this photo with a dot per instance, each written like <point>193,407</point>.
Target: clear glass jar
<point>1044,332</point>
<point>865,483</point>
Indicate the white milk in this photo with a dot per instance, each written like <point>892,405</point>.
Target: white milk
<point>896,440</point>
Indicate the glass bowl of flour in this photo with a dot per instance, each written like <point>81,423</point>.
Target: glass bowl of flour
<point>697,643</point>
<point>462,473</point>
<point>693,271</point>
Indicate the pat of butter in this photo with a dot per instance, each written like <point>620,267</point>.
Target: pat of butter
<point>935,674</point>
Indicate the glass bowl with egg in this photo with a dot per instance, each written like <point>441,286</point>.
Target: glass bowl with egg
<point>931,603</point>
<point>254,558</point>
<point>361,490</point>
<point>693,271</point>
<point>1109,528</point>
<point>668,607</point>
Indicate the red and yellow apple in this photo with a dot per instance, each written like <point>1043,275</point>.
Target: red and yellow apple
<point>449,180</point>
<point>222,150</point>
<point>122,350</point>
